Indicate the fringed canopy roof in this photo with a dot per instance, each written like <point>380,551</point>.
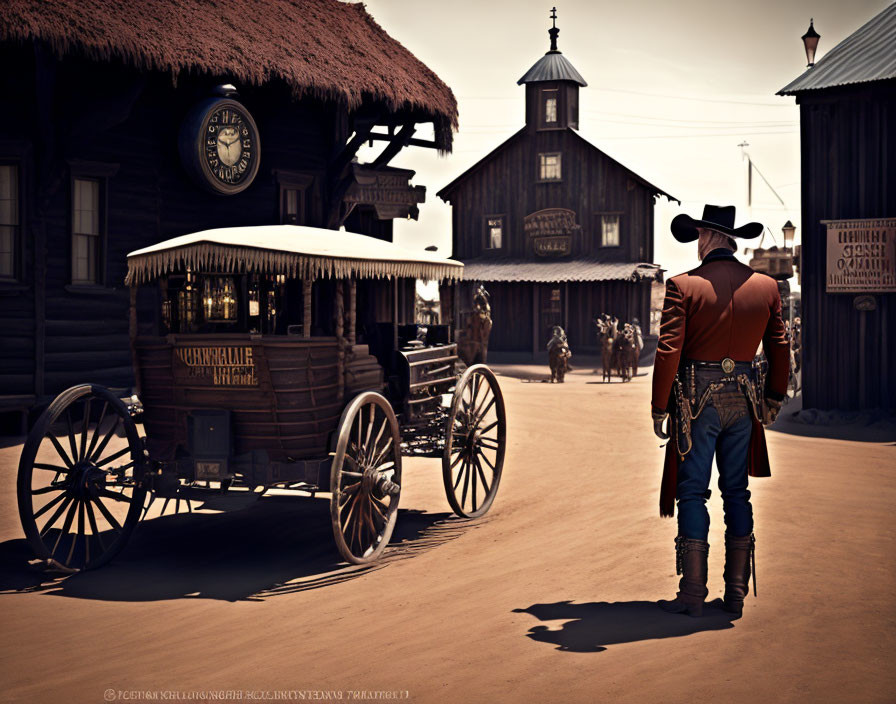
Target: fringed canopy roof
<point>328,49</point>
<point>296,251</point>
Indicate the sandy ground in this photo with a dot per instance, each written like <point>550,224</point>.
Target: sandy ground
<point>547,599</point>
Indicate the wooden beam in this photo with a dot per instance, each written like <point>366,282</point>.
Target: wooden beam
<point>397,143</point>
<point>342,158</point>
<point>427,143</point>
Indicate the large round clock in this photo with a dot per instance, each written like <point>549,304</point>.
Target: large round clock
<point>219,145</point>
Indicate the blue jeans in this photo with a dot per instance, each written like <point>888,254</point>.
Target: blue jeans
<point>730,445</point>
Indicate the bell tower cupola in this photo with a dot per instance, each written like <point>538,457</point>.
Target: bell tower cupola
<point>552,88</point>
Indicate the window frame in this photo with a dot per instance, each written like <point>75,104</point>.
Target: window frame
<point>18,245</point>
<point>546,94</point>
<point>538,167</point>
<point>293,181</point>
<point>486,234</point>
<point>599,216</point>
<point>101,173</point>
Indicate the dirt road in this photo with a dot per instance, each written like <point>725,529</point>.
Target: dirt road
<point>547,599</point>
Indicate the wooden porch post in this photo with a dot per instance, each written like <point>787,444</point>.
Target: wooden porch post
<point>395,312</point>
<point>339,314</point>
<point>352,311</point>
<point>535,318</point>
<point>306,301</point>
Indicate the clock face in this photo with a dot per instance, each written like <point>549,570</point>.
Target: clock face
<point>220,145</point>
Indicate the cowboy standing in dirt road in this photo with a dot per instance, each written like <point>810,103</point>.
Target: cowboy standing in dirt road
<point>714,318</point>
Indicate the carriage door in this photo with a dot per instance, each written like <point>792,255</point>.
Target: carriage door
<point>551,296</point>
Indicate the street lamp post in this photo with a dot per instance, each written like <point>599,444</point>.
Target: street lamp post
<point>810,41</point>
<point>789,230</point>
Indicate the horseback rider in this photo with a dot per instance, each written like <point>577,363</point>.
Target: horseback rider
<point>714,318</point>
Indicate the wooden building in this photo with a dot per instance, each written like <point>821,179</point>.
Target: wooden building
<point>130,123</point>
<point>848,255</point>
<point>556,230</point>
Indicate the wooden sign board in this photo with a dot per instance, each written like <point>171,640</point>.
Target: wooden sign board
<point>215,366</point>
<point>861,256</point>
<point>551,231</point>
<point>388,190</point>
<point>552,246</point>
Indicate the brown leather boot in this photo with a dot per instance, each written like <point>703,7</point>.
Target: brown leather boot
<point>691,558</point>
<point>738,554</point>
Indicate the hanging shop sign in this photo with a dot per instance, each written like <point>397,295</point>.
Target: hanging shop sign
<point>861,255</point>
<point>387,190</point>
<point>219,146</point>
<point>551,231</point>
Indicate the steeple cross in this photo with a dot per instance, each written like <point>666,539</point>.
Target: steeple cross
<point>554,16</point>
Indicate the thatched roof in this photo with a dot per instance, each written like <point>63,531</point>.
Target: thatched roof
<point>328,49</point>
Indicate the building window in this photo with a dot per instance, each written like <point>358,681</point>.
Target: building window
<point>292,209</point>
<point>9,221</point>
<point>550,110</point>
<point>549,105</point>
<point>609,230</point>
<point>293,189</point>
<point>494,232</point>
<point>549,167</point>
<point>86,231</point>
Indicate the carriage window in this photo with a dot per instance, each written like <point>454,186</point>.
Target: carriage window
<point>494,232</point>
<point>86,223</point>
<point>549,167</point>
<point>609,232</point>
<point>9,220</point>
<point>187,301</point>
<point>219,299</point>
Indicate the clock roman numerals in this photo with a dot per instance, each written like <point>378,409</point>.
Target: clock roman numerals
<point>224,146</point>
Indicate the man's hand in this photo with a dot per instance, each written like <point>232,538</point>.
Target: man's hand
<point>772,409</point>
<point>658,420</point>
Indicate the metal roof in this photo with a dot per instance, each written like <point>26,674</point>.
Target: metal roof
<point>868,54</point>
<point>546,272</point>
<point>553,66</point>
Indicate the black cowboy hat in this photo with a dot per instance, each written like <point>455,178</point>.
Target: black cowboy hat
<point>715,217</point>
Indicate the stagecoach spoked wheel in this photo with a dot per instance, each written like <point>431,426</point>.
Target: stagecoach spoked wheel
<point>78,485</point>
<point>476,436</point>
<point>365,478</point>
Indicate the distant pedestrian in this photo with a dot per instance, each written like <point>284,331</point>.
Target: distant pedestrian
<point>714,318</point>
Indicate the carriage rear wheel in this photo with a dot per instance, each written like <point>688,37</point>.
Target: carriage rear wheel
<point>78,485</point>
<point>365,478</point>
<point>476,436</point>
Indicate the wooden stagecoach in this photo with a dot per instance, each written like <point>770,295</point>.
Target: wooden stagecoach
<point>265,357</point>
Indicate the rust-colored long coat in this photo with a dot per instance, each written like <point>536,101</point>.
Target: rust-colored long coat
<point>720,309</point>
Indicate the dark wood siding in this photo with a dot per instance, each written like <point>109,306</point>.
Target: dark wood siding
<point>848,140</point>
<point>55,335</point>
<point>507,184</point>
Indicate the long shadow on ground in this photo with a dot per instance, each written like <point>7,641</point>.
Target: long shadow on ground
<point>590,627</point>
<point>278,545</point>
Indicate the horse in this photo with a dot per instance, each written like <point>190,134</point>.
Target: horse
<point>624,352</point>
<point>558,355</point>
<point>472,344</point>
<point>607,333</point>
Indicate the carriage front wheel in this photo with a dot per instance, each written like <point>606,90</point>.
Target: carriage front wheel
<point>79,490</point>
<point>365,478</point>
<point>476,436</point>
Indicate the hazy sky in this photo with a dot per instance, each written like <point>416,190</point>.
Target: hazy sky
<point>673,87</point>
